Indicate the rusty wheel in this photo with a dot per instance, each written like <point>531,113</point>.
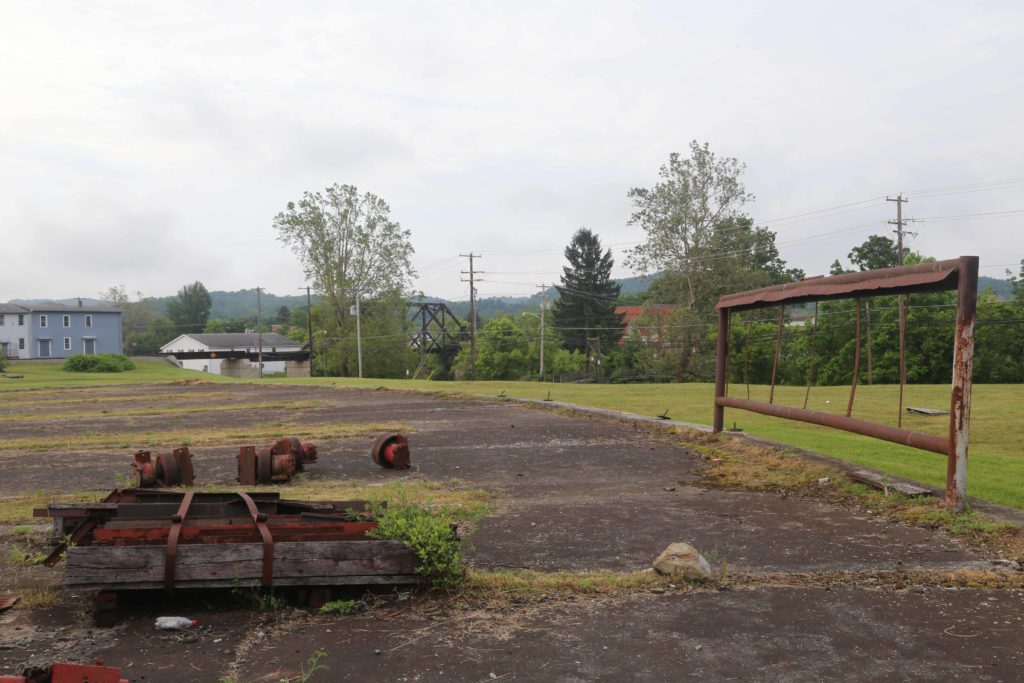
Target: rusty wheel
<point>391,451</point>
<point>169,466</point>
<point>264,466</point>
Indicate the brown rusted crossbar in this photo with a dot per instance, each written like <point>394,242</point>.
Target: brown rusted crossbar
<point>960,274</point>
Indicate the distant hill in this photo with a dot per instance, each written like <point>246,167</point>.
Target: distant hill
<point>242,303</point>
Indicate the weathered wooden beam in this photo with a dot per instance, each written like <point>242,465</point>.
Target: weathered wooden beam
<point>300,563</point>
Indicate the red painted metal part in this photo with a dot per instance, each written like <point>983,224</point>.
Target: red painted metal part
<point>960,274</point>
<point>68,672</point>
<point>163,470</point>
<point>304,453</point>
<point>266,465</point>
<point>391,451</point>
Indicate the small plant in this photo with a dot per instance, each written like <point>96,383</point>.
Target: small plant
<point>427,535</point>
<point>313,664</point>
<point>339,607</point>
<point>24,555</point>
<point>21,530</point>
<point>104,362</point>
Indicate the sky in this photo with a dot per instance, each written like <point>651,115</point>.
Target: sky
<point>151,144</point>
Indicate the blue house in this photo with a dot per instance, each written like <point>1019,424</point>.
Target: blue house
<point>58,330</point>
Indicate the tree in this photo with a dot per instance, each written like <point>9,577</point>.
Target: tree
<point>877,251</point>
<point>283,315</point>
<point>144,331</point>
<point>587,297</point>
<point>350,249</point>
<point>191,308</point>
<point>680,213</point>
<point>348,245</point>
<point>698,233</point>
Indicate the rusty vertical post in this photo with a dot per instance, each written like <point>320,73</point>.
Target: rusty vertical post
<point>903,354</point>
<point>960,402</point>
<point>778,347</point>
<point>746,354</point>
<point>721,356</point>
<point>810,369</point>
<point>856,364</point>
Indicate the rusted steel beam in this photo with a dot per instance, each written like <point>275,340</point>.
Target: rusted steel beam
<point>960,401</point>
<point>856,365</point>
<point>937,276</point>
<point>721,355</point>
<point>906,437</point>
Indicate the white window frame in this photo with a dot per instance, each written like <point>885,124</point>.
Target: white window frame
<point>1,319</point>
<point>21,343</point>
<point>44,320</point>
<point>67,343</point>
<point>66,320</point>
<point>88,321</point>
<point>21,320</point>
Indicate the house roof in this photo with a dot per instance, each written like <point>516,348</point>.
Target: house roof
<point>239,340</point>
<point>630,313</point>
<point>55,308</point>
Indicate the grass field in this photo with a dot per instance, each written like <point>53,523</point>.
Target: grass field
<point>995,466</point>
<point>48,374</point>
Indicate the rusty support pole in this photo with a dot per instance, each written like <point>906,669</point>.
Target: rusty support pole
<point>746,354</point>
<point>721,356</point>
<point>856,365</point>
<point>810,368</point>
<point>778,347</point>
<point>871,367</point>
<point>960,402</point>
<point>903,354</point>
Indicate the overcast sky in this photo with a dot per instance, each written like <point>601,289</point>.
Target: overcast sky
<point>151,144</point>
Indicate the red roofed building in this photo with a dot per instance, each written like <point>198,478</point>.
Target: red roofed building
<point>646,321</point>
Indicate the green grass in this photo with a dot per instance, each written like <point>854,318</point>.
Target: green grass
<point>49,374</point>
<point>995,469</point>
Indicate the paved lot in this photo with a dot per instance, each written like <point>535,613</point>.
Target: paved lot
<point>573,494</point>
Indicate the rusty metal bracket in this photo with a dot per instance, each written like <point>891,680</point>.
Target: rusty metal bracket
<point>260,520</point>
<point>172,540</point>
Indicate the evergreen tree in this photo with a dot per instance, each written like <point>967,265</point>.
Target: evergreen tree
<point>587,296</point>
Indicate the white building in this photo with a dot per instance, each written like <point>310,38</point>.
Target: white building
<point>209,352</point>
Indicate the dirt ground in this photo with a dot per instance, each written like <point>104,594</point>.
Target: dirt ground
<point>573,494</point>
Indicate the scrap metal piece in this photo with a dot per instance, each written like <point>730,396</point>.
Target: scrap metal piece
<point>391,451</point>
<point>67,672</point>
<point>163,470</point>
<point>8,600</point>
<point>304,453</point>
<point>265,465</point>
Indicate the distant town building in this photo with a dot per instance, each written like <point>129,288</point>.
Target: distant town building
<point>58,330</point>
<point>646,322</point>
<point>210,352</point>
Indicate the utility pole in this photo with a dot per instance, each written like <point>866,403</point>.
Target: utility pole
<point>259,333</point>
<point>902,299</point>
<point>472,308</point>
<point>543,305</point>
<point>309,326</point>
<point>359,337</point>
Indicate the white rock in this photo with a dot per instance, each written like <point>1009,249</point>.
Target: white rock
<point>682,560</point>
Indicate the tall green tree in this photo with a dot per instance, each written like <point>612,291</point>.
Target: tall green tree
<point>191,308</point>
<point>877,251</point>
<point>587,295</point>
<point>350,248</point>
<point>698,234</point>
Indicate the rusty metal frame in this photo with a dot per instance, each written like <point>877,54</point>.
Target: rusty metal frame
<point>960,274</point>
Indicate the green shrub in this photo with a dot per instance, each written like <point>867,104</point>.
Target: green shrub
<point>3,362</point>
<point>104,362</point>
<point>429,536</point>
